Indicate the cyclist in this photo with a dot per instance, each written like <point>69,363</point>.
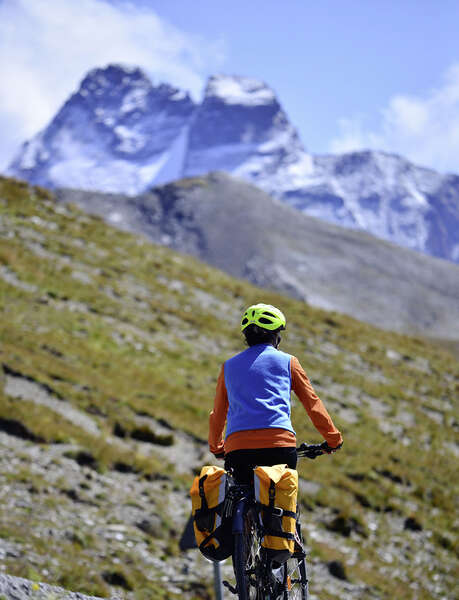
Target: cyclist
<point>253,399</point>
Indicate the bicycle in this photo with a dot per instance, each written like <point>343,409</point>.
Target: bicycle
<point>256,577</point>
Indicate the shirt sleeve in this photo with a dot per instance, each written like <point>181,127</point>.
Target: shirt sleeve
<point>217,418</point>
<point>313,405</point>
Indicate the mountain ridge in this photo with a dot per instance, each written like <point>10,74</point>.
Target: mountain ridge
<point>126,137</point>
<point>238,228</point>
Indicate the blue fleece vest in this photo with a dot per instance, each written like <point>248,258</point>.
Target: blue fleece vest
<point>258,384</point>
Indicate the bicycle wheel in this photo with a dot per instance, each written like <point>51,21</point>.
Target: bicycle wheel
<point>295,580</point>
<point>248,560</point>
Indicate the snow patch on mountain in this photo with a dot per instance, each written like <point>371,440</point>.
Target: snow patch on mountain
<point>135,100</point>
<point>130,140</point>
<point>34,151</point>
<point>243,91</point>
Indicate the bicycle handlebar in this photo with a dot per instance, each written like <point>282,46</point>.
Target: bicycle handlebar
<point>312,451</point>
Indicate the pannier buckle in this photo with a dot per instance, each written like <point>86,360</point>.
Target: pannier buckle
<point>278,512</point>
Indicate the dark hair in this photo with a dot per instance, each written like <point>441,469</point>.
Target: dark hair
<point>257,335</point>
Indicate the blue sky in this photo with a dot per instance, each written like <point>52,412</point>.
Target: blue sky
<point>350,74</point>
<point>331,59</point>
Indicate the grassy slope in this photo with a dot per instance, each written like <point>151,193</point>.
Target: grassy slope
<point>120,327</point>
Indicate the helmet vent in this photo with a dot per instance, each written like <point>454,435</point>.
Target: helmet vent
<point>265,320</point>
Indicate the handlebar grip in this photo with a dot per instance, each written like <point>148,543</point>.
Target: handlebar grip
<point>311,451</point>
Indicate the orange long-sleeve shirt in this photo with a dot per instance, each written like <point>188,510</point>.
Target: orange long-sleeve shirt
<point>270,438</point>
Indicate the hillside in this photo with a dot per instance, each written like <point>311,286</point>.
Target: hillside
<point>238,228</point>
<point>110,348</point>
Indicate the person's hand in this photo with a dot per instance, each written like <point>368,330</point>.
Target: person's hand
<point>328,449</point>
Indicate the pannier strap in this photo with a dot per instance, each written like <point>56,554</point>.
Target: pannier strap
<point>272,493</point>
<point>281,512</point>
<point>202,493</point>
<point>206,540</point>
<point>276,511</point>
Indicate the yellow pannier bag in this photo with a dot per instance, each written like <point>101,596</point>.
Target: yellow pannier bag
<point>212,532</point>
<point>276,491</point>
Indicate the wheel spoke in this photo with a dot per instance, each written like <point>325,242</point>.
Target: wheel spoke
<point>249,560</point>
<point>295,579</point>
<point>253,554</point>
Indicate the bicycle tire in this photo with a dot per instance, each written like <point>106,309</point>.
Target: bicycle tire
<point>248,560</point>
<point>295,579</point>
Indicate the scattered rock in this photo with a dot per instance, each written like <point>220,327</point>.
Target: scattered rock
<point>389,475</point>
<point>445,541</point>
<point>119,430</point>
<point>83,458</point>
<point>363,500</point>
<point>72,494</point>
<point>82,276</point>
<point>25,387</point>
<point>356,476</point>
<point>165,424</point>
<point>95,410</point>
<point>393,355</point>
<point>412,524</point>
<point>145,434</point>
<point>345,526</point>
<point>16,588</point>
<point>152,526</point>
<point>122,467</point>
<point>52,351</point>
<point>11,278</point>
<point>433,414</point>
<point>377,408</point>
<point>336,568</point>
<point>117,579</point>
<point>308,487</point>
<point>16,428</point>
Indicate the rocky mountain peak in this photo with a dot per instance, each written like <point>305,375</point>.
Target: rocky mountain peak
<point>114,134</point>
<point>113,76</point>
<point>120,133</point>
<point>241,128</point>
<point>127,92</point>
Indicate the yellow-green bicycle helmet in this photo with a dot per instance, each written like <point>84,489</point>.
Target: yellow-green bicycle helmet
<point>265,316</point>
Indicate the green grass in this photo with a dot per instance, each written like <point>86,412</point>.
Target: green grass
<point>144,333</point>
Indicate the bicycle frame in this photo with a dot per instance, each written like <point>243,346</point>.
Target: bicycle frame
<point>241,500</point>
<point>259,579</point>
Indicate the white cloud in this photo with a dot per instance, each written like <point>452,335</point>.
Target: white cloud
<point>425,130</point>
<point>47,47</point>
